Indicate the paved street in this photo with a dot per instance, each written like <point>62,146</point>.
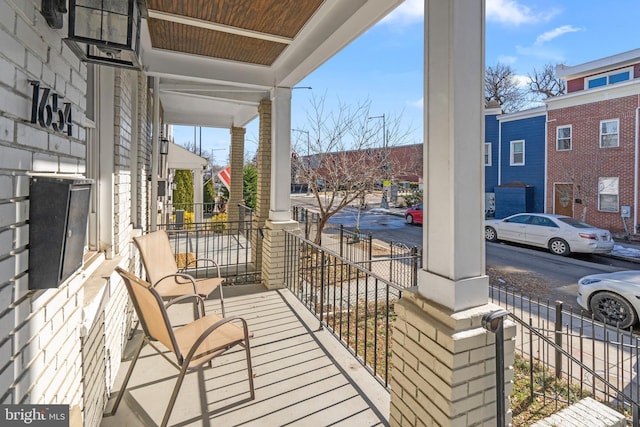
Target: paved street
<point>385,224</point>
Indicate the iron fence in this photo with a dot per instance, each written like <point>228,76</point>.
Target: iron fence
<point>393,261</point>
<point>349,300</point>
<point>227,241</point>
<point>353,297</point>
<point>588,357</point>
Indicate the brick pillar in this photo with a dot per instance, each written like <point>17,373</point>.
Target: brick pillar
<point>444,365</point>
<point>237,164</point>
<point>273,252</point>
<point>264,181</point>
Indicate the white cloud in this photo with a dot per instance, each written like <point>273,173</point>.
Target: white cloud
<point>543,53</point>
<point>514,13</point>
<point>556,32</point>
<point>522,81</point>
<point>409,12</point>
<point>507,59</point>
<point>417,103</point>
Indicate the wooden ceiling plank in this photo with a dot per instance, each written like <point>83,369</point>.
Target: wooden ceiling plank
<point>217,27</point>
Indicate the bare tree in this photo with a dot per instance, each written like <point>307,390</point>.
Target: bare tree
<point>584,180</point>
<point>345,155</point>
<point>545,83</point>
<point>501,85</point>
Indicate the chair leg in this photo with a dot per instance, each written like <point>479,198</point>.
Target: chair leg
<point>249,366</point>
<point>128,376</point>
<point>221,300</point>
<point>174,395</point>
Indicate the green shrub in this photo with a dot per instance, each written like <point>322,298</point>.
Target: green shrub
<point>413,198</point>
<point>219,222</point>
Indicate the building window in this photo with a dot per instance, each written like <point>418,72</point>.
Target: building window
<point>613,77</point>
<point>563,138</point>
<point>609,133</point>
<point>597,82</point>
<point>517,153</point>
<point>487,154</point>
<point>608,194</point>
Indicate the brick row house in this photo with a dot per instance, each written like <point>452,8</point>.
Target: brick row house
<point>592,143</point>
<point>577,154</point>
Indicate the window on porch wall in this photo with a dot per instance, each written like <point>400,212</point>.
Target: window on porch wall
<point>92,156</point>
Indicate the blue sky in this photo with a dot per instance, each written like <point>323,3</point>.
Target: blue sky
<point>385,65</point>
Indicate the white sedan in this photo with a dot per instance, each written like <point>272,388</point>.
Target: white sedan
<point>612,297</point>
<point>558,233</point>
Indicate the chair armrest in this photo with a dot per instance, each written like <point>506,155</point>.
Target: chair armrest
<point>198,298</point>
<point>210,330</point>
<point>190,278</point>
<point>194,262</point>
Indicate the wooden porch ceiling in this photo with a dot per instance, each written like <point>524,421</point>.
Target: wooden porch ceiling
<point>217,59</point>
<point>247,31</point>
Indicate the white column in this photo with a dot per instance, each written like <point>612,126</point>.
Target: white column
<point>106,165</point>
<point>280,209</point>
<point>453,238</point>
<point>198,175</point>
<point>154,153</point>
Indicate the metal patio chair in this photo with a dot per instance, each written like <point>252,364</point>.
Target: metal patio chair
<point>194,344</point>
<point>167,278</point>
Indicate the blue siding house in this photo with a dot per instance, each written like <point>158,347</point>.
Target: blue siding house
<point>521,169</point>
<point>491,144</point>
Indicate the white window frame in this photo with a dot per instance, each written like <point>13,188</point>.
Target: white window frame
<point>609,187</point>
<point>558,138</point>
<point>512,161</point>
<point>617,133</point>
<point>487,154</point>
<point>606,76</point>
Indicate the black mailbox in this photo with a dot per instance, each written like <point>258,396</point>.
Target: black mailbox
<point>58,212</point>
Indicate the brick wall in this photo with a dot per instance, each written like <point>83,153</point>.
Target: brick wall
<point>62,345</point>
<point>586,161</point>
<point>40,358</point>
<point>444,365</point>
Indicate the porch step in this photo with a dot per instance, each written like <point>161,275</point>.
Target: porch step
<point>585,413</point>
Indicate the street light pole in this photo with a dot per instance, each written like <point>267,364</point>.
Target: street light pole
<point>308,138</point>
<point>308,153</point>
<point>385,201</point>
<point>384,129</point>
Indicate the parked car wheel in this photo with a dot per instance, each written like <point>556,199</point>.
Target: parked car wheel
<point>409,219</point>
<point>559,247</point>
<point>490,234</point>
<point>613,309</point>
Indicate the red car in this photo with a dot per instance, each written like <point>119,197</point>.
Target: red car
<point>413,215</point>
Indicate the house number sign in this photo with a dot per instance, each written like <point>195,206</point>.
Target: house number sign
<point>48,111</point>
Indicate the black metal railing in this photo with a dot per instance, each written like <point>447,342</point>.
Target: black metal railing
<point>581,356</point>
<point>393,261</point>
<point>227,241</point>
<point>350,301</point>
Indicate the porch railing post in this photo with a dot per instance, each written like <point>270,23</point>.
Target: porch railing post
<point>414,265</point>
<point>494,322</point>
<point>558,339</point>
<point>322,286</point>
